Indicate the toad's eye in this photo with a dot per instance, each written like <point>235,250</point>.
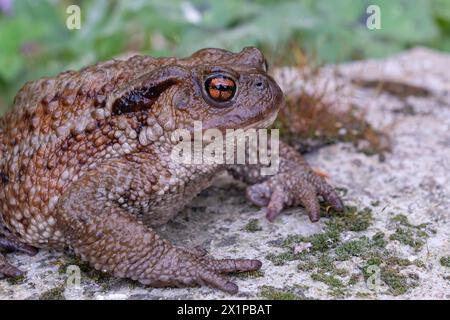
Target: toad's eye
<point>220,88</point>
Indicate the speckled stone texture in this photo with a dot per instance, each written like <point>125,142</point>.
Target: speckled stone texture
<point>413,180</point>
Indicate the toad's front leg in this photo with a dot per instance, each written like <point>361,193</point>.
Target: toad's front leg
<point>111,239</point>
<point>294,184</point>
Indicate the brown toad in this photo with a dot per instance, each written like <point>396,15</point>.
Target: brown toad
<point>86,162</point>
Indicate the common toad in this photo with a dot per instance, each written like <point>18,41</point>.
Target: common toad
<point>86,162</point>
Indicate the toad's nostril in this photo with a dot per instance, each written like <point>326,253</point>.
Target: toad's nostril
<point>259,84</point>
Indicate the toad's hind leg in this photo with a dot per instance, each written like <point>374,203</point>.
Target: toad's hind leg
<point>111,239</point>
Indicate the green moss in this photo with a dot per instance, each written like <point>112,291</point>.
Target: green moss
<point>375,203</point>
<point>378,239</point>
<point>319,242</point>
<point>16,280</point>
<point>253,226</point>
<point>293,239</point>
<point>329,280</point>
<point>281,258</point>
<point>327,248</point>
<point>56,293</point>
<point>271,293</point>
<point>402,219</point>
<point>445,261</point>
<point>419,263</point>
<point>390,267</point>
<point>324,241</point>
<point>396,261</point>
<point>398,284</point>
<point>354,279</point>
<point>351,219</point>
<point>335,285</point>
<point>85,268</point>
<point>250,274</point>
<point>73,261</point>
<point>363,295</point>
<point>407,237</point>
<point>307,266</point>
<point>325,263</point>
<point>354,248</point>
<point>409,234</point>
<point>374,260</point>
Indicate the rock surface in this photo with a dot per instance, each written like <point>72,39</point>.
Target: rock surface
<point>408,97</point>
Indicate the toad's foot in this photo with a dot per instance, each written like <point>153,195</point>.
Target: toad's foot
<point>287,189</point>
<point>178,267</point>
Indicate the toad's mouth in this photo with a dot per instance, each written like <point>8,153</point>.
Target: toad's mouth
<point>264,122</point>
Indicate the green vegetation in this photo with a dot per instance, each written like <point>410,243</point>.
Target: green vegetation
<point>378,239</point>
<point>335,284</point>
<point>354,248</point>
<point>398,283</point>
<point>56,293</point>
<point>35,41</point>
<point>445,261</point>
<point>327,250</point>
<point>16,280</point>
<point>409,234</point>
<point>253,226</point>
<point>85,268</point>
<point>408,237</point>
<point>271,293</point>
<point>250,274</point>
<point>351,219</point>
<point>282,258</point>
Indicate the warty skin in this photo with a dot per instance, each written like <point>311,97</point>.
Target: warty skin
<point>85,163</point>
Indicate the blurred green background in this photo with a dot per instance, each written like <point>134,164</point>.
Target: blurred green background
<point>34,39</point>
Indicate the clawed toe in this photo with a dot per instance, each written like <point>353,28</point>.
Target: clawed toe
<point>219,282</point>
<point>292,189</point>
<point>183,267</point>
<point>258,194</point>
<point>337,204</point>
<point>235,265</point>
<point>326,191</point>
<point>198,251</point>
<point>213,276</point>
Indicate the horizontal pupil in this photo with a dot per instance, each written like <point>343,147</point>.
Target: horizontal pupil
<point>222,87</point>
